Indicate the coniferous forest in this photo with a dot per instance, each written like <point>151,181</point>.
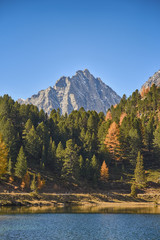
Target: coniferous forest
<point>82,148</point>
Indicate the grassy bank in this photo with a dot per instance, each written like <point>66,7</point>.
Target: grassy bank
<point>77,199</point>
<point>56,194</point>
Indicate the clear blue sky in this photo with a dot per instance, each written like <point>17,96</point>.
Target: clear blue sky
<point>42,40</point>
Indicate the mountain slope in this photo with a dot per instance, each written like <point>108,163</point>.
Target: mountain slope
<point>68,94</point>
<point>155,79</point>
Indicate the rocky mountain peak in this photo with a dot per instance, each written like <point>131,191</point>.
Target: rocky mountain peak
<point>87,73</point>
<point>81,90</point>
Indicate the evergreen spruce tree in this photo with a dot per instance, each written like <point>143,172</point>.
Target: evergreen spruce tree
<point>33,186</point>
<point>51,154</point>
<point>87,169</point>
<point>139,170</point>
<point>156,144</point>
<point>70,165</point>
<point>135,145</point>
<point>53,150</point>
<point>9,169</point>
<point>42,132</point>
<point>21,164</point>
<point>81,166</point>
<point>10,138</point>
<point>59,158</point>
<point>33,145</point>
<point>91,123</point>
<point>156,140</point>
<point>27,128</point>
<point>87,144</point>
<point>148,134</point>
<point>94,169</point>
<point>133,190</point>
<point>43,157</point>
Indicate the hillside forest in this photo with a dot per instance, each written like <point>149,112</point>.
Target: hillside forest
<point>82,148</point>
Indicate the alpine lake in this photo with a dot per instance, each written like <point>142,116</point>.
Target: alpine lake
<point>80,223</point>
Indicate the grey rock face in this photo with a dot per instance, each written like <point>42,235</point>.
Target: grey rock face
<point>68,94</point>
<point>155,79</point>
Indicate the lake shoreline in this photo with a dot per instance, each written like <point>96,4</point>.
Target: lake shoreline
<point>74,199</point>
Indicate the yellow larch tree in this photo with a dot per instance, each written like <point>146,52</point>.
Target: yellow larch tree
<point>3,156</point>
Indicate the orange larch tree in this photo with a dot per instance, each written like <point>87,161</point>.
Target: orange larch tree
<point>108,116</point>
<point>27,179</point>
<point>123,115</point>
<point>112,141</point>
<point>40,182</point>
<point>144,91</point>
<point>104,172</point>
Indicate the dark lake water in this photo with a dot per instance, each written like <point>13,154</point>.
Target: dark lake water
<point>80,226</point>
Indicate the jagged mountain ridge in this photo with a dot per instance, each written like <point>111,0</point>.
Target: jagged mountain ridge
<point>155,79</point>
<point>68,94</point>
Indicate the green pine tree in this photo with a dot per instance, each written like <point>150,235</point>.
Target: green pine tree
<point>156,144</point>
<point>9,170</point>
<point>148,134</point>
<point>43,134</point>
<point>43,157</point>
<point>50,155</point>
<point>133,190</point>
<point>59,158</point>
<point>134,145</point>
<point>139,170</point>
<point>21,164</point>
<point>70,165</point>
<point>27,128</point>
<point>33,145</point>
<point>81,166</point>
<point>53,151</point>
<point>33,186</point>
<point>87,169</point>
<point>94,169</point>
<point>10,137</point>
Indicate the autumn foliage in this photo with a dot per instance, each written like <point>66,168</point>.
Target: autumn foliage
<point>144,91</point>
<point>26,181</point>
<point>22,185</point>
<point>123,115</point>
<point>40,182</point>
<point>108,116</point>
<point>3,156</point>
<point>104,172</point>
<point>112,141</point>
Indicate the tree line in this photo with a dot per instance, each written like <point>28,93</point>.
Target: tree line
<point>69,146</point>
<point>83,146</point>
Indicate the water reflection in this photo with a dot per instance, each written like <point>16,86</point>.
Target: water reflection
<point>81,209</point>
